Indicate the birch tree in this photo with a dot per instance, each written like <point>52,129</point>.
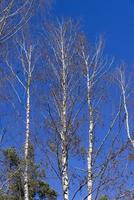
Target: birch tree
<point>28,62</point>
<point>95,67</point>
<point>124,86</point>
<point>62,66</point>
<point>92,68</point>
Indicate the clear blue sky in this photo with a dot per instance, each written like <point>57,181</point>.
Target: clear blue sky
<point>114,19</point>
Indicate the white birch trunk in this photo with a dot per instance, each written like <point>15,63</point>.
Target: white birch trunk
<point>64,156</point>
<point>90,138</point>
<point>122,83</point>
<point>27,136</point>
<point>26,60</point>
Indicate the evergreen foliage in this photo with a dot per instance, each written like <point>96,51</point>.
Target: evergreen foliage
<point>104,197</point>
<point>14,165</point>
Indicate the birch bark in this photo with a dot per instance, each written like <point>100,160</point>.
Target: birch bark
<point>123,89</point>
<point>64,156</point>
<point>90,137</point>
<point>27,136</point>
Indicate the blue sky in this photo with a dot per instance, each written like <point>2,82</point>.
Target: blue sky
<point>114,19</point>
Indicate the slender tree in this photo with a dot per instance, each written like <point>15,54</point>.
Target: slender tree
<point>94,68</point>
<point>28,64</point>
<point>62,113</point>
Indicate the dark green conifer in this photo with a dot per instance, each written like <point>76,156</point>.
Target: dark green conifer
<point>14,166</point>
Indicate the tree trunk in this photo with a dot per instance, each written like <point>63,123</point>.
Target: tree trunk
<point>65,180</point>
<point>123,88</point>
<point>26,189</point>
<point>64,156</point>
<point>90,137</point>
